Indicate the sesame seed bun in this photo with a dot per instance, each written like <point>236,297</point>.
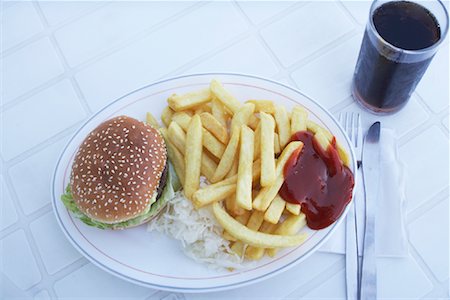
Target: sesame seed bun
<point>117,170</point>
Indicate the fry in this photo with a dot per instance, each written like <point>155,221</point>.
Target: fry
<point>214,126</point>
<point>177,136</point>
<point>314,128</point>
<point>228,157</point>
<point>166,115</point>
<point>234,168</point>
<point>175,157</point>
<point>224,96</point>
<point>283,126</point>
<point>206,196</point>
<point>293,208</point>
<point>276,143</point>
<point>150,119</point>
<point>203,108</point>
<point>322,139</point>
<point>251,237</point>
<point>233,207</point>
<point>256,253</point>
<point>267,150</point>
<point>178,139</point>
<point>209,166</point>
<point>243,219</point>
<point>257,148</point>
<point>189,100</point>
<point>267,194</point>
<point>253,122</point>
<point>273,213</point>
<point>193,156</point>
<point>266,106</point>
<point>242,116</point>
<point>212,144</point>
<point>255,220</point>
<point>244,182</point>
<point>298,119</point>
<point>217,110</point>
<point>289,227</point>
<point>182,118</point>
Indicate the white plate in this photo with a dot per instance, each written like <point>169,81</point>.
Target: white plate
<point>152,259</point>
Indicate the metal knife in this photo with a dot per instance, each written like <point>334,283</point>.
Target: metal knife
<point>371,175</point>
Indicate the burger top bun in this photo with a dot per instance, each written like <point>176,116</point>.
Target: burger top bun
<point>117,170</point>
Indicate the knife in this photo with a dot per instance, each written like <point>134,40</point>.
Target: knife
<point>371,175</point>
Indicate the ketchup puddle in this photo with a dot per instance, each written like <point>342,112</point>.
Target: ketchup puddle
<point>317,179</point>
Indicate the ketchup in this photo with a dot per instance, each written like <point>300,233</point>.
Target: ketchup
<point>317,179</point>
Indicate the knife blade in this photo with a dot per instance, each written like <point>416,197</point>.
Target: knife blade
<point>371,175</point>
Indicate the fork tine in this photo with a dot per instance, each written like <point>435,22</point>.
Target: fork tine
<point>348,125</point>
<point>359,134</point>
<point>355,128</point>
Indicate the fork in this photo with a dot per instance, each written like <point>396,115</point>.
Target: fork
<point>352,125</point>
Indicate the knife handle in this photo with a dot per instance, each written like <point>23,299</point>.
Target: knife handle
<point>369,262</point>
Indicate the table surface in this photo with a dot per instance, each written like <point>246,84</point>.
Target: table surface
<point>60,62</point>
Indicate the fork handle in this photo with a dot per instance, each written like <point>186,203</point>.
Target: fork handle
<point>351,255</point>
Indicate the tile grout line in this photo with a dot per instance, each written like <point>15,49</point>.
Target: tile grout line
<point>426,206</point>
<point>49,32</point>
<point>317,281</point>
<point>67,70</point>
<point>255,31</point>
<point>24,225</point>
<point>349,14</point>
<point>134,38</point>
<point>56,27</point>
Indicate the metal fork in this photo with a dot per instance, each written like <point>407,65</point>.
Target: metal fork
<point>352,125</point>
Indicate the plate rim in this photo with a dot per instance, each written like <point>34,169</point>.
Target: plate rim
<point>265,276</point>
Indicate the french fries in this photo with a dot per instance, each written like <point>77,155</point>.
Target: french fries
<point>298,119</point>
<point>267,150</point>
<point>289,227</point>
<point>252,237</point>
<point>214,126</point>
<point>256,253</point>
<point>242,150</point>
<point>212,144</point>
<point>273,213</point>
<point>175,156</point>
<point>244,182</point>
<point>150,119</point>
<point>177,136</point>
<point>283,126</point>
<point>224,96</point>
<point>193,156</point>
<point>189,100</point>
<point>206,196</point>
<point>293,208</point>
<point>242,116</point>
<point>257,146</point>
<point>166,116</point>
<point>266,106</point>
<point>267,194</point>
<point>209,166</point>
<point>314,128</point>
<point>182,118</point>
<point>218,111</point>
<point>228,157</point>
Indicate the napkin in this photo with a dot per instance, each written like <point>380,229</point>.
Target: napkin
<point>391,240</point>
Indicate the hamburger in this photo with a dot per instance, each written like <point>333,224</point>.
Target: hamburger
<point>120,175</point>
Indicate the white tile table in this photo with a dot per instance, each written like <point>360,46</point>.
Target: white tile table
<point>61,61</point>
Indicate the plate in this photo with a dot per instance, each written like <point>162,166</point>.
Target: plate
<point>151,259</point>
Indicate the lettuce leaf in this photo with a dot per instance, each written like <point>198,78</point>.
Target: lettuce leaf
<point>172,186</point>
